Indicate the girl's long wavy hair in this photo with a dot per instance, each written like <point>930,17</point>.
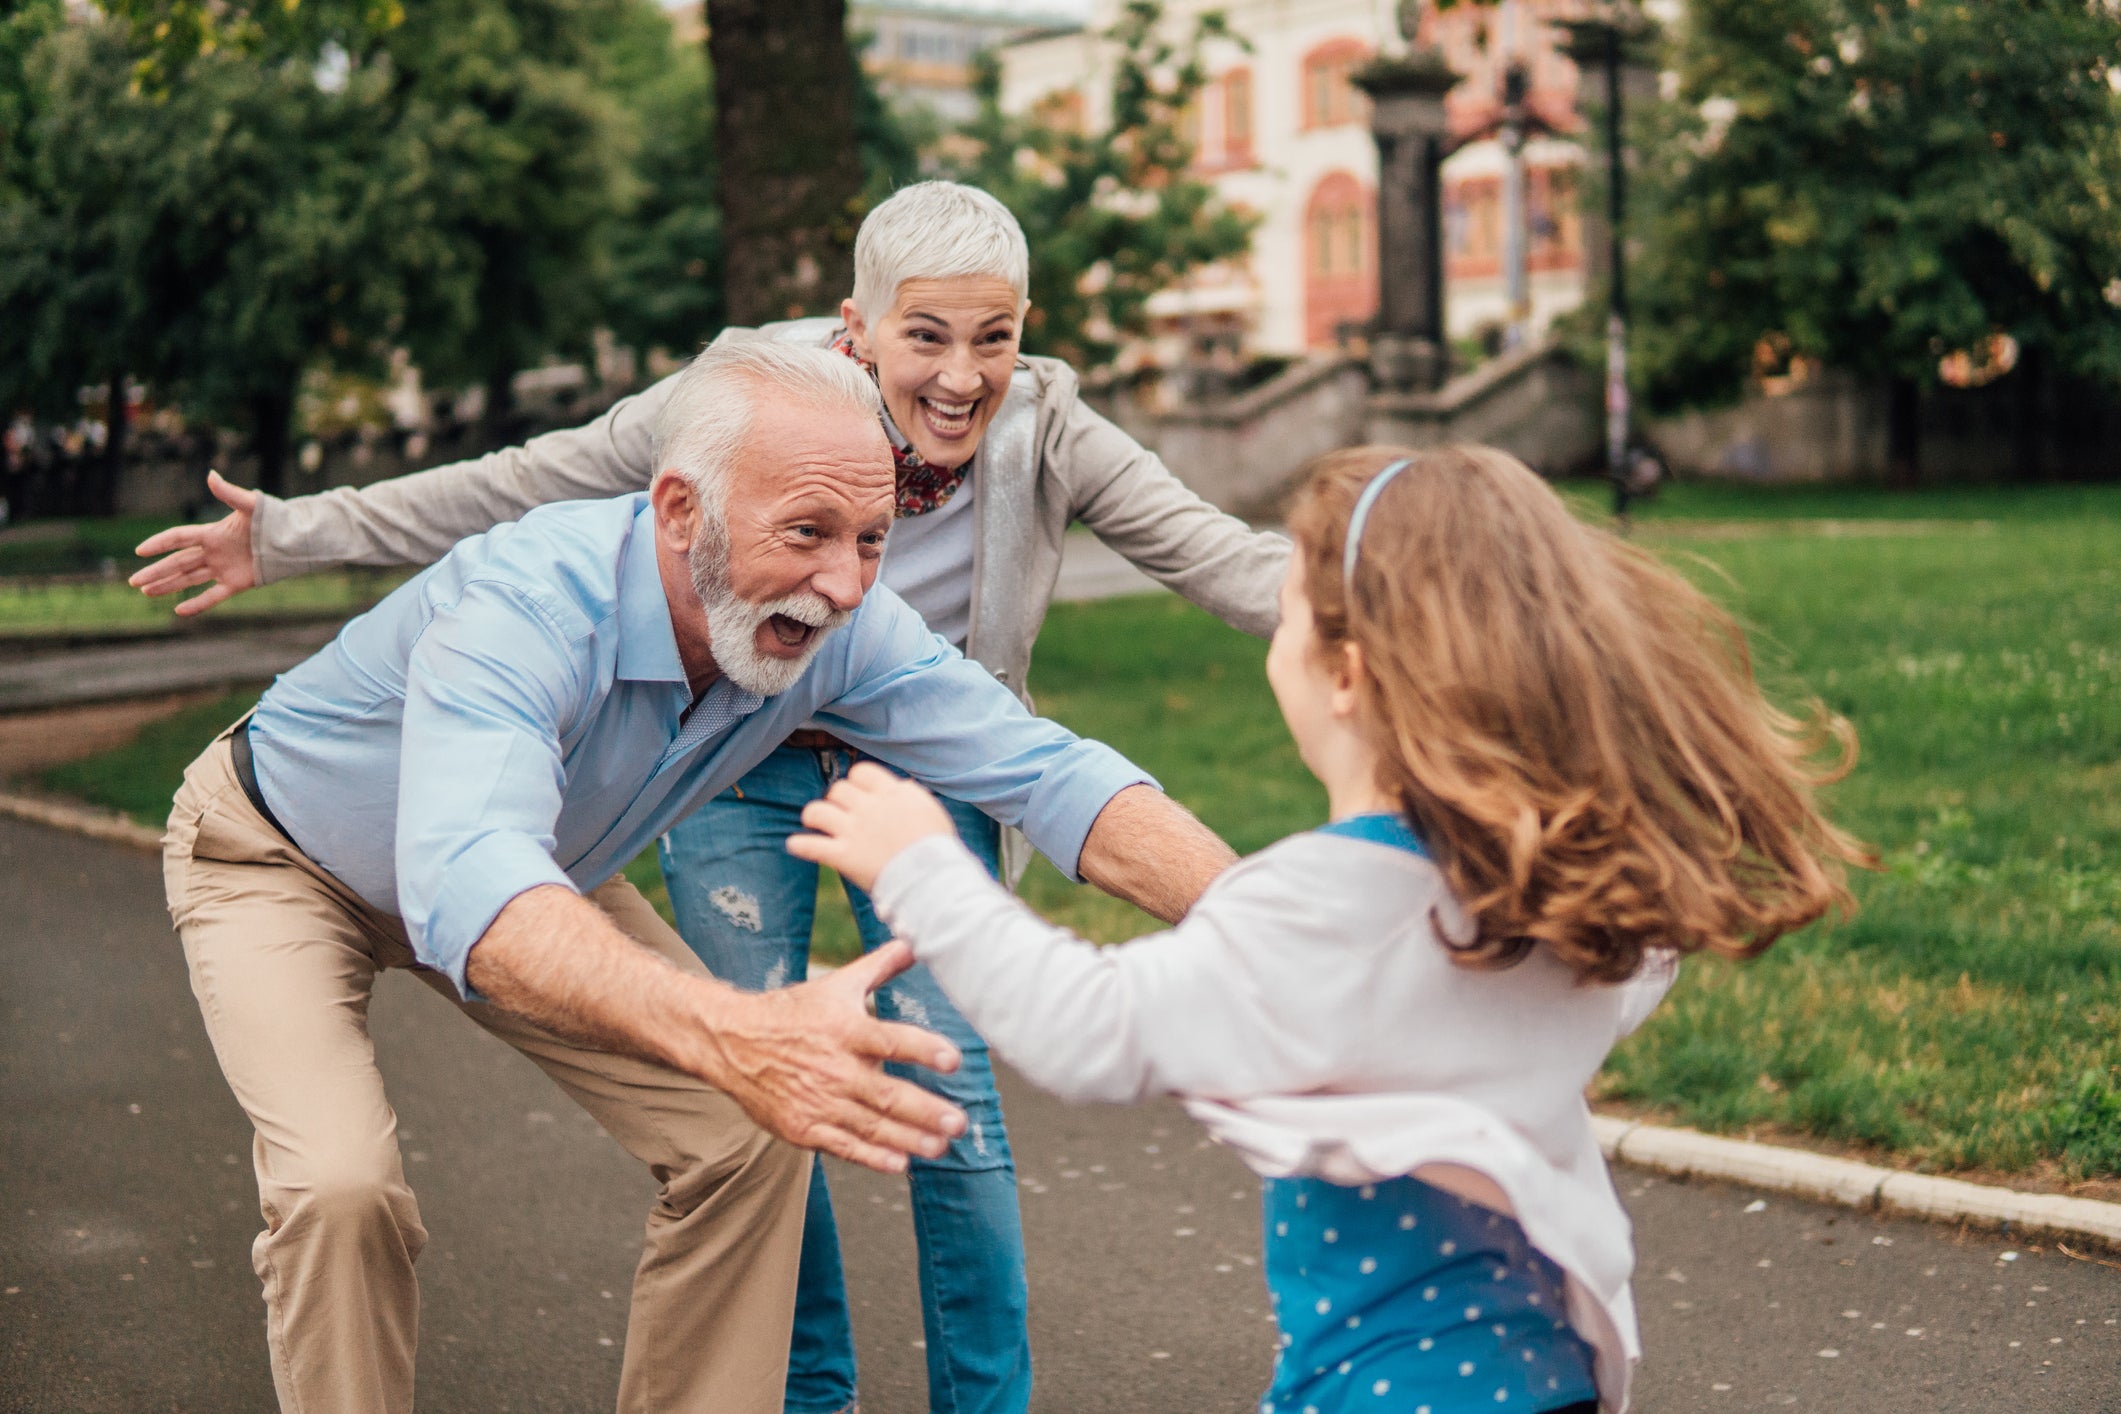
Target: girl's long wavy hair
<point>1571,727</point>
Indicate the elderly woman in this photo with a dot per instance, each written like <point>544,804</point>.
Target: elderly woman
<point>996,456</point>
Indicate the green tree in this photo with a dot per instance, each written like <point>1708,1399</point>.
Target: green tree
<point>1876,184</point>
<point>665,287</point>
<point>202,239</point>
<point>518,163</point>
<point>1113,215</point>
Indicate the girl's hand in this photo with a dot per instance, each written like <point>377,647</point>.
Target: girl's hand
<point>864,821</point>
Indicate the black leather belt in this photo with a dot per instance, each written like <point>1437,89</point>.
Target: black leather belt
<point>247,777</point>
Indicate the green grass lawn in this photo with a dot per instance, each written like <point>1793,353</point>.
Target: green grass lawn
<point>1967,1017</point>
<point>40,608</point>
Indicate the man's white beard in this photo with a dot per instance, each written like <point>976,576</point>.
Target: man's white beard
<point>733,622</point>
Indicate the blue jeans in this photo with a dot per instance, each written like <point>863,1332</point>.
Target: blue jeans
<point>746,906</point>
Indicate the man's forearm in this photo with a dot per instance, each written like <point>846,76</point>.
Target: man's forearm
<point>1148,849</point>
<point>552,957</point>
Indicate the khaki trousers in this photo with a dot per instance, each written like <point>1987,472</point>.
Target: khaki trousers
<point>283,960</point>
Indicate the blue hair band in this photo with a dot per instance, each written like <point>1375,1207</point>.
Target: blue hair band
<point>1353,549</point>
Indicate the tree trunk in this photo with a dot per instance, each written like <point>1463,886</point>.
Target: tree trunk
<point>104,498</point>
<point>497,423</point>
<point>272,417</point>
<point>791,173</point>
<point>1903,434</point>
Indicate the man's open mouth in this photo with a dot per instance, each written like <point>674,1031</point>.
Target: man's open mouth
<point>791,633</point>
<point>948,419</point>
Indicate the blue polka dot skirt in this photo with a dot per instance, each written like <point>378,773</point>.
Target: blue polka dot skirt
<point>1401,1297</point>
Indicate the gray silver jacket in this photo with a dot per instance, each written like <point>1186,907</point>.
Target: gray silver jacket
<point>1046,460</point>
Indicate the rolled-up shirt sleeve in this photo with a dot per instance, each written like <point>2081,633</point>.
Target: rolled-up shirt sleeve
<point>919,705</point>
<point>490,687</point>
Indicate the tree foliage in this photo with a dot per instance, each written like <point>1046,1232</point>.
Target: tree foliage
<point>1113,215</point>
<point>1876,184</point>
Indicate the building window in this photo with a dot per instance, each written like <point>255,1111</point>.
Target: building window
<point>1340,267</point>
<point>1329,98</point>
<point>1237,117</point>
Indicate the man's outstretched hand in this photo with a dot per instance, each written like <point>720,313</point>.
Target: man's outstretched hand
<point>216,554</point>
<point>804,1063</point>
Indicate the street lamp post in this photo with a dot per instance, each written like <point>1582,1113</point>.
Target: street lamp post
<point>1612,42</point>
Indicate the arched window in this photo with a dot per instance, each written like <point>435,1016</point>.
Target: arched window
<point>1236,88</point>
<point>1329,99</point>
<point>1340,263</point>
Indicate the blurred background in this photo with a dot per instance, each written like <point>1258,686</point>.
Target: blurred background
<point>1825,295</point>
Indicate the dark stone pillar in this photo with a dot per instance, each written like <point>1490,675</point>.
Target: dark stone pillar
<point>1408,351</point>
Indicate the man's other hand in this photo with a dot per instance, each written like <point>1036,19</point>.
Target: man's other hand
<point>804,1062</point>
<point>216,555</point>
<point>864,821</point>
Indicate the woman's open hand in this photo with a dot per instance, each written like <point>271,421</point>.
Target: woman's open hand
<point>216,555</point>
<point>864,821</point>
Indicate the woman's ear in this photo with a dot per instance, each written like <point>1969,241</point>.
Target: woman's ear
<point>1348,670</point>
<point>857,329</point>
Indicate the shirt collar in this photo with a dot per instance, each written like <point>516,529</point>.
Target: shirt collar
<point>648,645</point>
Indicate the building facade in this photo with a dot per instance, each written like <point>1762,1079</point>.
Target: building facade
<point>1283,133</point>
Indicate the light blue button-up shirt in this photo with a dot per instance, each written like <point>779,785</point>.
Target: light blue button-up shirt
<point>517,715</point>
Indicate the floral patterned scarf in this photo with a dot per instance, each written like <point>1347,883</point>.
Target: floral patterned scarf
<point>921,487</point>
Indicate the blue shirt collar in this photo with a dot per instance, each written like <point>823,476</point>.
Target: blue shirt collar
<point>648,645</point>
<point>1379,828</point>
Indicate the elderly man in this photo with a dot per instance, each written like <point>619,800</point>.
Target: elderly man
<point>453,786</point>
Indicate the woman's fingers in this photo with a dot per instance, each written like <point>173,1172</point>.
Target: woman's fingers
<point>161,577</point>
<point>177,537</point>
<point>200,603</point>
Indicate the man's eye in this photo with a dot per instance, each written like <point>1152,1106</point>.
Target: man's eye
<point>808,532</point>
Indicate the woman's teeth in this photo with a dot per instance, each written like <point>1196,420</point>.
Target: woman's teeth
<point>950,418</point>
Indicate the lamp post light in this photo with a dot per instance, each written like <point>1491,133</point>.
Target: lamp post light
<point>1408,350</point>
<point>1616,41</point>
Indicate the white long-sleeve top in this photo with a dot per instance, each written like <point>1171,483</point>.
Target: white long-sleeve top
<point>1307,1011</point>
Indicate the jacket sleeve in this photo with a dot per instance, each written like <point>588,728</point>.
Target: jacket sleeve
<point>1125,494</point>
<point>1217,1006</point>
<point>415,519</point>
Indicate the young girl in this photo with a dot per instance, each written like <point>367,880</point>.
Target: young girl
<point>1550,776</point>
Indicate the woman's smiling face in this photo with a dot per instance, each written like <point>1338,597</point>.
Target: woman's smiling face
<point>943,352</point>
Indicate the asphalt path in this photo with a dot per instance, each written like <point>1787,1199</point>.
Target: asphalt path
<point>127,1211</point>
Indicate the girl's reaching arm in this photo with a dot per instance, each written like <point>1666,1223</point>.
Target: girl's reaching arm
<point>1215,1006</point>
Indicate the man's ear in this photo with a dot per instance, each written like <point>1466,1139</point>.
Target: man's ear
<point>677,509</point>
<point>857,328</point>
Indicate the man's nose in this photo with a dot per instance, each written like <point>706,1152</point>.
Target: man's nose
<point>839,578</point>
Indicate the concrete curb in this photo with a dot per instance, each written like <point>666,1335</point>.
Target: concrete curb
<point>1686,1153</point>
<point>81,820</point>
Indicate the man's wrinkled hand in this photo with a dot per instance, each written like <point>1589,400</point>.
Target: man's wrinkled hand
<point>865,820</point>
<point>216,554</point>
<point>806,1063</point>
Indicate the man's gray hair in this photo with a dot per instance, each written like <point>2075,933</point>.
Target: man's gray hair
<point>936,231</point>
<point>702,426</point>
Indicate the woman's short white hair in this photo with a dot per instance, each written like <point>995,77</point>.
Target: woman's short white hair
<point>936,231</point>
<point>703,425</point>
